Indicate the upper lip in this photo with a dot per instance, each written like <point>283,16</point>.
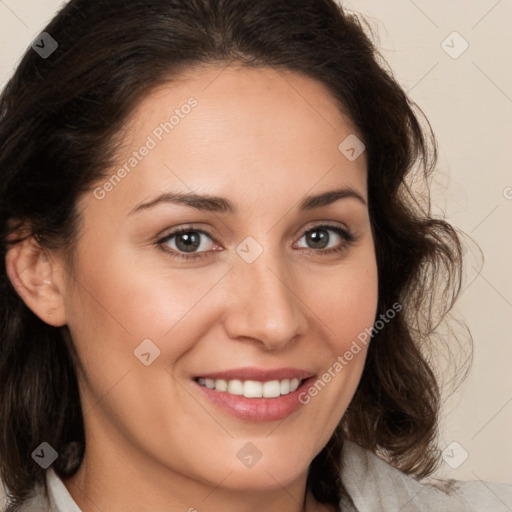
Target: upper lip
<point>258,374</point>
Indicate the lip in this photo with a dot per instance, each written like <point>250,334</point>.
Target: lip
<point>256,409</point>
<point>258,374</point>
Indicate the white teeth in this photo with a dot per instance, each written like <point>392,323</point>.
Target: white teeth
<point>285,386</point>
<point>271,389</point>
<point>221,385</point>
<point>294,384</point>
<point>236,387</point>
<point>252,388</point>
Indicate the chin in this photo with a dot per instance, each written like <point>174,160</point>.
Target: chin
<point>264,477</point>
<point>270,468</point>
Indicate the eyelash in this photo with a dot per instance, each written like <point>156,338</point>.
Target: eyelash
<point>343,233</point>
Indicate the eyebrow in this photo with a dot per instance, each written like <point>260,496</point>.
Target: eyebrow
<point>222,205</point>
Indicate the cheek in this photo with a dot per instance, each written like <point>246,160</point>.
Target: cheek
<point>115,310</point>
<point>119,302</point>
<point>354,320</point>
<point>356,306</point>
<point>347,308</point>
<point>345,301</point>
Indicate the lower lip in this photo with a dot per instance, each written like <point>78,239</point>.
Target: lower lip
<point>256,409</point>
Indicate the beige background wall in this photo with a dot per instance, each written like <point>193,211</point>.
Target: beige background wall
<point>467,96</point>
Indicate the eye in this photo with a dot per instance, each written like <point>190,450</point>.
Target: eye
<point>190,243</point>
<point>187,242</point>
<point>321,239</point>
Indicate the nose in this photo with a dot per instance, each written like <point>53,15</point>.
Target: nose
<point>262,303</point>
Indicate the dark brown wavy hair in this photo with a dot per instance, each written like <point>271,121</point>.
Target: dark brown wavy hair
<point>60,119</point>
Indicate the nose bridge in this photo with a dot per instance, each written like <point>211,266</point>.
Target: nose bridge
<point>263,306</point>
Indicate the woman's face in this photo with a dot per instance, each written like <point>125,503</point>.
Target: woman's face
<point>262,286</point>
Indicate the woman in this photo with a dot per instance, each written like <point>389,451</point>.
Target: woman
<point>215,282</point>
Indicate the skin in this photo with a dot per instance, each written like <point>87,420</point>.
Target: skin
<point>263,140</point>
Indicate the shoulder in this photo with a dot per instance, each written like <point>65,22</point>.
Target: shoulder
<point>375,485</point>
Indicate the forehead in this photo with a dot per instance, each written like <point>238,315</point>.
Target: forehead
<point>252,131</point>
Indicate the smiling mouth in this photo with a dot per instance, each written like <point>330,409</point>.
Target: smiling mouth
<point>252,388</point>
